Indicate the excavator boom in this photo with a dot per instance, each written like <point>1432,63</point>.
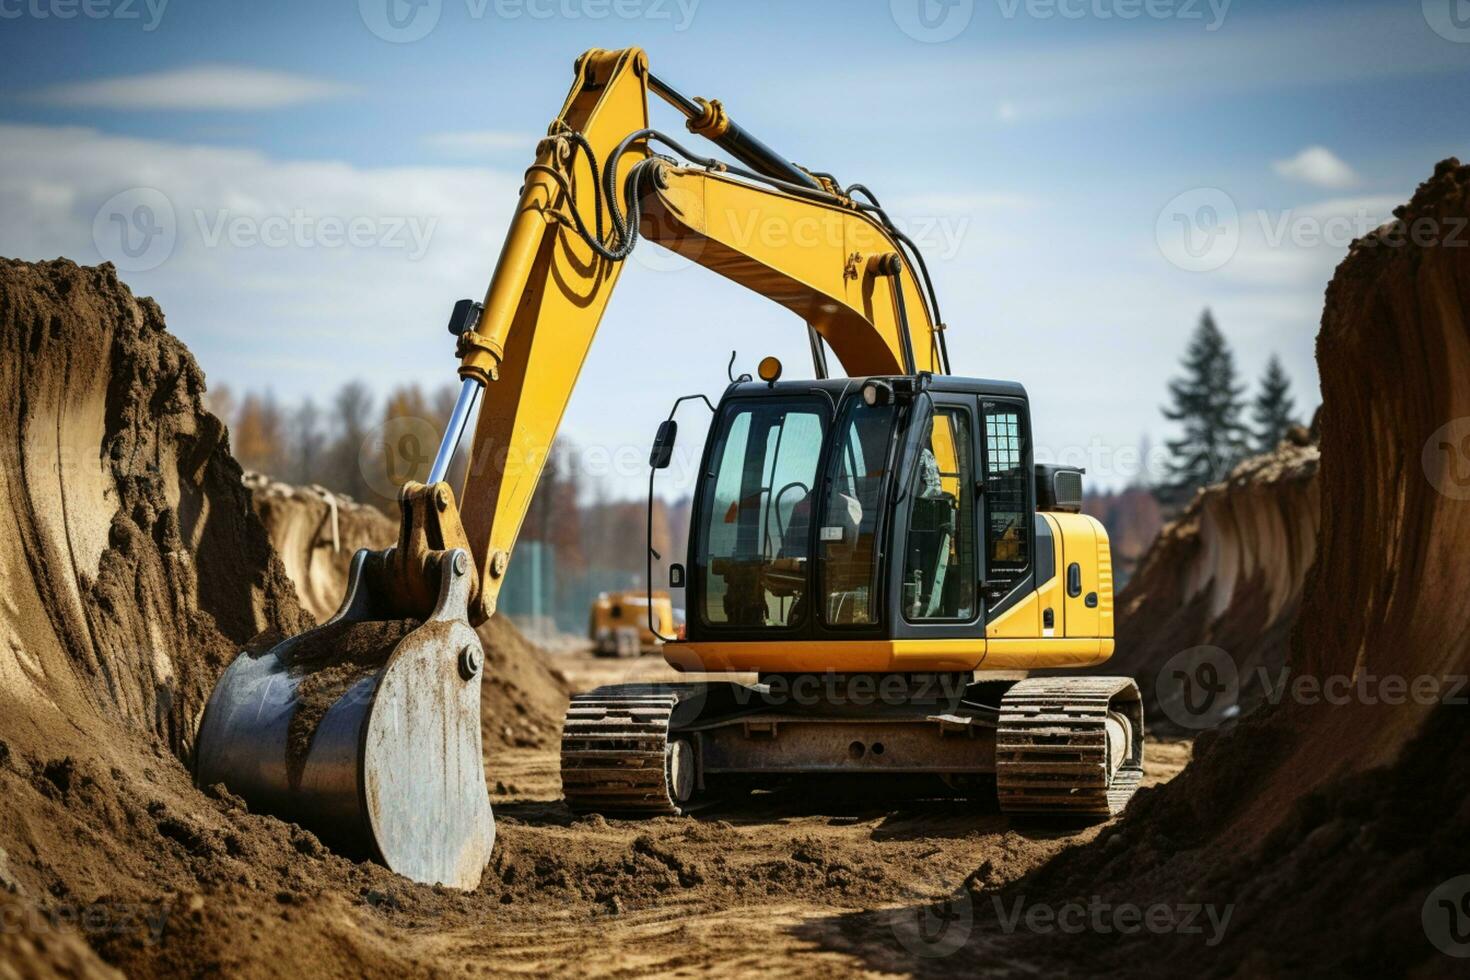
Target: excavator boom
<point>784,234</point>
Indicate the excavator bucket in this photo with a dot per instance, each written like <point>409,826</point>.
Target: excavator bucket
<point>365,730</point>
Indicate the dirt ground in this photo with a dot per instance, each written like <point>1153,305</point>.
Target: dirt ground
<point>729,890</point>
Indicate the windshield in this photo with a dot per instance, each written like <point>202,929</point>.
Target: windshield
<point>757,516</point>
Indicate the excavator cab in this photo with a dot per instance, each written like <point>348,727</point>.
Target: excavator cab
<point>881,509</point>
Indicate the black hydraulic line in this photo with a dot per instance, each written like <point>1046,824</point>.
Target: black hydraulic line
<point>819,352</point>
<point>625,230</point>
<point>892,267</point>
<point>735,140</point>
<point>918,258</point>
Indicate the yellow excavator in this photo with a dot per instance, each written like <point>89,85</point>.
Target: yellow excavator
<point>877,548</point>
<point>630,623</point>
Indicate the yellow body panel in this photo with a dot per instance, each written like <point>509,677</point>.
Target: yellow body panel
<point>884,656</point>
<point>1081,637</point>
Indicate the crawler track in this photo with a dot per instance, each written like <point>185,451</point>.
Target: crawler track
<point>614,752</point>
<point>1053,753</point>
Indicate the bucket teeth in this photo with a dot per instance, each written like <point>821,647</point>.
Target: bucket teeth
<point>1052,748</point>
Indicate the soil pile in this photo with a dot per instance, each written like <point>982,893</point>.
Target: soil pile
<point>1325,825</point>
<point>317,532</point>
<point>134,571</point>
<point>1227,573</point>
<point>133,565</point>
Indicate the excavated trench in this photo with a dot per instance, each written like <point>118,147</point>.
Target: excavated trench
<point>1307,836</point>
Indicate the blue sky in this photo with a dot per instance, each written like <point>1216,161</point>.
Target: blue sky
<point>1042,151</point>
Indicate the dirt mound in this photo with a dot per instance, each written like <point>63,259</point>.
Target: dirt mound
<point>1228,573</point>
<point>134,568</point>
<point>134,571</point>
<point>1325,825</point>
<point>317,533</point>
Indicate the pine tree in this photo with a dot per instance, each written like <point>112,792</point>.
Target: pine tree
<point>1207,405</point>
<point>1273,407</point>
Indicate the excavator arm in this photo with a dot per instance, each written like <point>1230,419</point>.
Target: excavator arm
<point>597,186</point>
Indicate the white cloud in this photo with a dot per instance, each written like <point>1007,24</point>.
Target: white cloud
<point>340,270</point>
<point>1319,166</point>
<point>481,142</point>
<point>207,87</point>
<point>1300,247</point>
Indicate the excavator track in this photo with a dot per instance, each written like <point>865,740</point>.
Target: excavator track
<point>1070,746</point>
<point>615,754</point>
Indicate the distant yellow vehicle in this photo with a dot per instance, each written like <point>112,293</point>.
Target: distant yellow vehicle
<point>619,624</point>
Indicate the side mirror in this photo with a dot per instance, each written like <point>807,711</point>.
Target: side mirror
<point>663,445</point>
<point>676,576</point>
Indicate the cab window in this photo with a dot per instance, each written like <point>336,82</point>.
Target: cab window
<point>847,538</point>
<point>1007,520</point>
<point>756,526</point>
<point>939,580</point>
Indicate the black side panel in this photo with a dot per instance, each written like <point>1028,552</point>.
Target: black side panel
<point>1046,555</point>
